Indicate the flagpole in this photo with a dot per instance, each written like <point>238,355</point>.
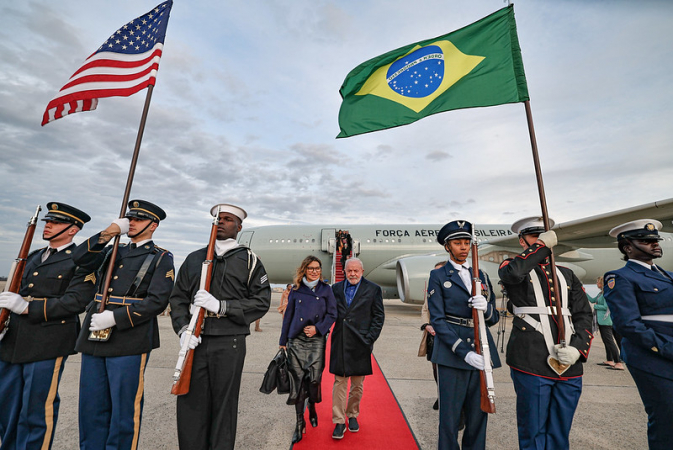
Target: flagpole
<point>545,219</point>
<point>127,192</point>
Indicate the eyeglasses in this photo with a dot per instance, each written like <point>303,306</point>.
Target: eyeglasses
<point>313,269</point>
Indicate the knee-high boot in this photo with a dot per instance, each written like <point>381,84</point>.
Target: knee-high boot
<point>300,429</point>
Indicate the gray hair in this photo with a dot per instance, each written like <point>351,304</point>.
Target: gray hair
<point>354,259</point>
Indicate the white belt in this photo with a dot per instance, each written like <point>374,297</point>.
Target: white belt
<point>546,310</point>
<point>659,317</point>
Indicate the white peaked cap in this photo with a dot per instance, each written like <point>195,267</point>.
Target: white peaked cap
<point>535,224</point>
<point>643,228</point>
<point>231,209</point>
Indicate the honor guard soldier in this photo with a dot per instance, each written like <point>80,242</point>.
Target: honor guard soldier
<point>450,303</point>
<point>545,399</point>
<point>640,298</point>
<point>239,294</point>
<point>116,343</point>
<point>44,324</point>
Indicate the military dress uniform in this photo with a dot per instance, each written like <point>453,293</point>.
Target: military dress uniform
<point>112,373</point>
<point>37,344</point>
<point>207,415</point>
<point>451,317</point>
<point>640,298</point>
<point>546,401</point>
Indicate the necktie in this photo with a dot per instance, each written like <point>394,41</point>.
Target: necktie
<point>47,253</point>
<point>133,246</point>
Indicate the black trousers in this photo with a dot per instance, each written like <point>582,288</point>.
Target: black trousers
<point>611,349</point>
<point>207,415</point>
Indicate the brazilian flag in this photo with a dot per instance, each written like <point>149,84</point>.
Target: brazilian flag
<point>478,65</point>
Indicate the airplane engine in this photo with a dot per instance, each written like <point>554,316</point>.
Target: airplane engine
<point>412,275</point>
<point>413,272</point>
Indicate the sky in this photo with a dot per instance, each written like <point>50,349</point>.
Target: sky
<point>245,111</point>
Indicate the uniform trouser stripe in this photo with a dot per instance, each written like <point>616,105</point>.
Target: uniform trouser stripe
<point>137,406</point>
<point>49,404</point>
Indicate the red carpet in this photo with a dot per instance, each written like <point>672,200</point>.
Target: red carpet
<point>382,422</point>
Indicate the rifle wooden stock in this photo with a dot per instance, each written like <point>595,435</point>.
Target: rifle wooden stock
<point>16,272</point>
<point>486,384</point>
<point>183,369</point>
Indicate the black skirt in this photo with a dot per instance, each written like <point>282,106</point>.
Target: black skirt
<point>305,363</point>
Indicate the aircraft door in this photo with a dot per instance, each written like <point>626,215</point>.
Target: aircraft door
<point>356,247</point>
<point>245,237</point>
<point>328,240</point>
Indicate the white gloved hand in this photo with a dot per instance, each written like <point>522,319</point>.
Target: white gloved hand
<point>204,299</point>
<point>123,224</point>
<point>101,321</point>
<point>549,238</point>
<point>567,355</point>
<point>193,340</point>
<point>478,302</point>
<point>475,360</point>
<point>14,302</point>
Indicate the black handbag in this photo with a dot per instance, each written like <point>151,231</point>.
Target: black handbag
<point>270,381</point>
<point>430,343</point>
<point>284,380</point>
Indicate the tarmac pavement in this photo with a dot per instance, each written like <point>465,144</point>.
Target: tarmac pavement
<point>610,414</point>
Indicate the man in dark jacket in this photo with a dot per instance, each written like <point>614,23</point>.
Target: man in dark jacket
<point>359,322</point>
<point>42,330</point>
<point>239,295</point>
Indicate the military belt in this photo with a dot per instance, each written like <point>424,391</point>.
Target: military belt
<point>114,300</point>
<point>659,317</point>
<point>30,298</point>
<point>462,321</point>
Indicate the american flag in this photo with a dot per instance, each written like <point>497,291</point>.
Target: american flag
<point>126,63</point>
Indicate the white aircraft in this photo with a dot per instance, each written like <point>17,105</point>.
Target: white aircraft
<point>399,258</point>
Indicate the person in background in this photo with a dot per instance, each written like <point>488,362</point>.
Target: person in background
<point>311,312</point>
<point>640,299</point>
<point>612,358</point>
<point>283,298</point>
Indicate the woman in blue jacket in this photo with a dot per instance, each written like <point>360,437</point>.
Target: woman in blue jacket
<point>311,312</point>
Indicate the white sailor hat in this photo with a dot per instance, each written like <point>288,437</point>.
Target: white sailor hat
<point>231,209</point>
<point>643,229</point>
<point>530,225</point>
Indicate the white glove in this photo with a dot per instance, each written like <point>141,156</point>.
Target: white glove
<point>478,302</point>
<point>193,340</point>
<point>549,238</point>
<point>14,302</point>
<point>205,300</point>
<point>475,360</point>
<point>123,224</point>
<point>102,321</point>
<point>567,355</point>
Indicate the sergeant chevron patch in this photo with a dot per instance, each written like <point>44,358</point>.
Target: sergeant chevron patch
<point>91,277</point>
<point>171,274</point>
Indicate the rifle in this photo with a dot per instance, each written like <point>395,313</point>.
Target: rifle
<point>183,368</point>
<point>16,271</point>
<point>486,383</point>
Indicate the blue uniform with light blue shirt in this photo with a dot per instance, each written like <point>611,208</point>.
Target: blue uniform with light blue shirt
<point>458,382</point>
<point>641,303</point>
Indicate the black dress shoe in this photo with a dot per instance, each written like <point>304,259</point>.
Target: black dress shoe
<point>339,430</point>
<point>312,414</point>
<point>435,406</point>
<point>353,425</point>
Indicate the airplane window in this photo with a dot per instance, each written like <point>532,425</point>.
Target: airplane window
<point>270,241</point>
<point>368,240</point>
<point>423,239</point>
<point>295,240</point>
<point>276,241</point>
<point>312,240</point>
<point>282,240</point>
<point>399,240</point>
<point>374,240</point>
